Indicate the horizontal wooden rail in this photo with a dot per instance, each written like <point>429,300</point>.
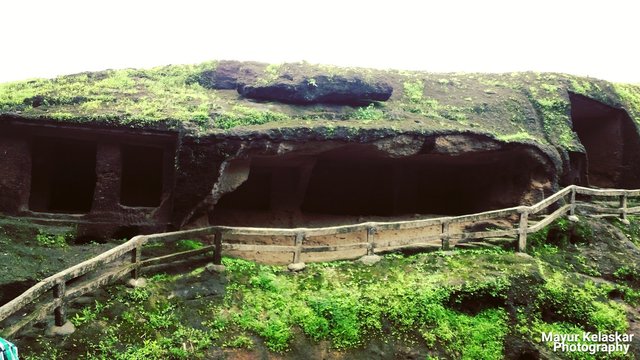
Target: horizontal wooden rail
<point>550,200</point>
<point>442,232</point>
<point>550,218</point>
<point>177,256</point>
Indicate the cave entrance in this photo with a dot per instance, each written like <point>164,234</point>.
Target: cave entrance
<point>356,182</point>
<point>142,180</point>
<point>63,175</point>
<point>611,142</point>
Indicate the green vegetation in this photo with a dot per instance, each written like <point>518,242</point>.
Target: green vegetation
<point>271,74</point>
<point>499,104</point>
<point>414,90</point>
<point>342,302</point>
<point>453,305</point>
<point>519,136</point>
<point>189,244</point>
<point>367,113</point>
<point>47,239</point>
<point>242,115</point>
<point>432,109</point>
<point>88,314</point>
<point>555,116</point>
<point>631,231</point>
<point>128,95</point>
<point>630,95</point>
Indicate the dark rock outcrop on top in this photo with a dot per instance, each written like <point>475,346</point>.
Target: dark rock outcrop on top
<point>323,89</point>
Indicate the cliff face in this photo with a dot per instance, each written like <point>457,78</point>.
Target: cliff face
<point>301,144</point>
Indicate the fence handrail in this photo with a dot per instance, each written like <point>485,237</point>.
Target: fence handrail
<point>57,282</point>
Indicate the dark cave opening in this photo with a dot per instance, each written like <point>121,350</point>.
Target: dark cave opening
<point>63,175</point>
<point>611,142</point>
<point>358,181</point>
<point>142,176</point>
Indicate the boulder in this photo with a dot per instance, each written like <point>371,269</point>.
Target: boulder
<point>352,90</point>
<point>136,283</point>
<point>297,266</point>
<point>370,259</point>
<point>66,329</point>
<point>213,268</point>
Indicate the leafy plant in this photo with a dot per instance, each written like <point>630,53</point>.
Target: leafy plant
<point>414,90</point>
<point>189,244</point>
<point>626,273</point>
<point>369,112</point>
<point>88,313</point>
<point>44,238</point>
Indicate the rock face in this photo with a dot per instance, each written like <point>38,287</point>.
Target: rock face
<point>338,89</point>
<point>370,260</point>
<point>294,85</point>
<point>224,77</point>
<point>297,266</point>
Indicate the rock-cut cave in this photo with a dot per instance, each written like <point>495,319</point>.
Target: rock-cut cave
<point>611,142</point>
<point>356,182</point>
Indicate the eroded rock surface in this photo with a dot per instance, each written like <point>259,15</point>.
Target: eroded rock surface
<point>339,89</point>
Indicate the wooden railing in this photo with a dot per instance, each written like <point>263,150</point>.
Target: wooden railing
<point>305,244</point>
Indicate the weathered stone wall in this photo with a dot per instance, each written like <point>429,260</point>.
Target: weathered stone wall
<point>106,216</point>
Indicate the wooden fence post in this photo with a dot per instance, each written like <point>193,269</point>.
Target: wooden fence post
<point>296,255</point>
<point>572,209</point>
<point>217,252</point>
<point>136,255</point>
<point>59,312</point>
<point>371,230</point>
<point>445,235</point>
<point>623,207</point>
<point>522,230</point>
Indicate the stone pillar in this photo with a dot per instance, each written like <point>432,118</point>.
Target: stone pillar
<point>108,173</point>
<point>15,182</point>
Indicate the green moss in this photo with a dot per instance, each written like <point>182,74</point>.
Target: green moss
<point>347,304</point>
<point>556,122</point>
<point>171,95</point>
<point>580,86</point>
<point>630,95</point>
<point>519,136</point>
<point>243,115</point>
<point>129,95</point>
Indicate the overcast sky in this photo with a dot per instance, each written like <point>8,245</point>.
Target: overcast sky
<point>44,38</point>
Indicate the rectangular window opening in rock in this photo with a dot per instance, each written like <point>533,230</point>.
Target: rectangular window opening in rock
<point>63,175</point>
<point>142,176</point>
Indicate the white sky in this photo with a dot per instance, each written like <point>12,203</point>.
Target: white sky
<point>44,38</point>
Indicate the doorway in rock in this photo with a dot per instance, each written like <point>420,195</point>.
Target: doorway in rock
<point>611,142</point>
<point>63,175</point>
<point>357,183</point>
